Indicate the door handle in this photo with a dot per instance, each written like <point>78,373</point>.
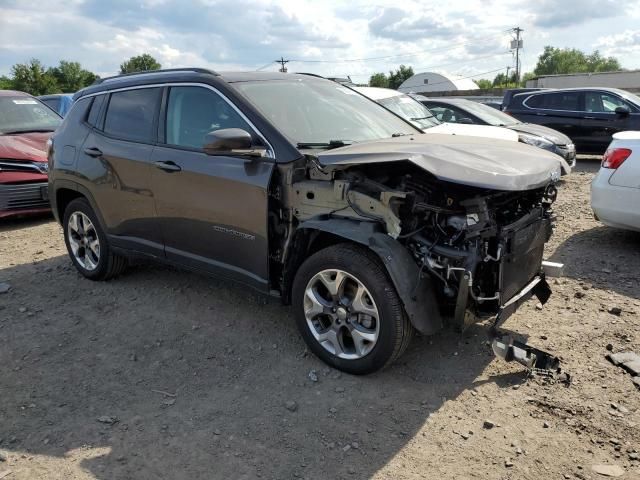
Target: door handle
<point>590,118</point>
<point>93,152</point>
<point>168,166</point>
<point>540,114</point>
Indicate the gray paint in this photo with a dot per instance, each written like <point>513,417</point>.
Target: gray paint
<point>473,161</point>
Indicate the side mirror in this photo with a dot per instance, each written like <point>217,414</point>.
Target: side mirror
<point>465,120</point>
<point>622,111</point>
<point>227,141</point>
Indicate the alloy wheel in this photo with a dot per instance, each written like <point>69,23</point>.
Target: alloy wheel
<point>83,240</point>
<point>341,314</point>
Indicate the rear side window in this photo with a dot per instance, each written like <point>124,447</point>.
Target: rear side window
<point>569,101</point>
<point>96,106</point>
<point>130,114</point>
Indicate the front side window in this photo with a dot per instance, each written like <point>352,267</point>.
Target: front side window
<point>192,112</point>
<point>600,102</point>
<point>22,114</point>
<point>318,112</point>
<point>130,114</point>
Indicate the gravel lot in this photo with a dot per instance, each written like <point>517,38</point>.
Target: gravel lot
<point>167,374</point>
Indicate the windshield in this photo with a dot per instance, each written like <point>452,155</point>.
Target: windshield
<point>411,110</point>
<point>26,114</point>
<point>488,114</point>
<point>321,113</point>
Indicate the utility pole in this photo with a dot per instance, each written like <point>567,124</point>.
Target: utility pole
<point>517,44</point>
<point>282,62</point>
<point>507,77</point>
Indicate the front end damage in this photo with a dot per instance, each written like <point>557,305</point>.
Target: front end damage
<point>457,254</point>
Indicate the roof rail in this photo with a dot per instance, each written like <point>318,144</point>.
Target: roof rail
<point>166,70</point>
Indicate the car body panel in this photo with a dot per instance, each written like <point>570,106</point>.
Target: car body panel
<point>473,161</point>
<point>213,212</point>
<point>23,174</point>
<point>615,193</point>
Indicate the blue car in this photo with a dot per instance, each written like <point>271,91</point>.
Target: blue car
<point>59,102</point>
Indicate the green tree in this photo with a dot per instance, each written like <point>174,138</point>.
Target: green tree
<point>32,78</point>
<point>6,83</point>
<point>525,77</point>
<point>71,77</point>
<point>141,63</point>
<point>501,81</point>
<point>379,80</point>
<point>400,75</point>
<point>484,84</point>
<point>555,61</point>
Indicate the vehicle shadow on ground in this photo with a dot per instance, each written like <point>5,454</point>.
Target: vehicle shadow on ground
<point>182,376</point>
<point>602,257</point>
<point>10,224</point>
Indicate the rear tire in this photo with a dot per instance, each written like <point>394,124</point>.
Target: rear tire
<point>87,243</point>
<point>348,311</point>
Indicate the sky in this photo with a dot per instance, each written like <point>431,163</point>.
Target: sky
<point>328,37</point>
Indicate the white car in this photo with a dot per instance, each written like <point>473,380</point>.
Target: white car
<point>412,110</point>
<point>615,190</point>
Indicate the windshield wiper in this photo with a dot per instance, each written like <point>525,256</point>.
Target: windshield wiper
<point>400,134</point>
<point>327,145</point>
<point>421,118</point>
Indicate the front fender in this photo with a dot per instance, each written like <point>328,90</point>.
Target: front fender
<point>415,290</point>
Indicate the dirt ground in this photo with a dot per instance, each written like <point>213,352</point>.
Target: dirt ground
<point>167,374</point>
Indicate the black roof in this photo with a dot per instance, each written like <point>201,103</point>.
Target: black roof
<point>185,75</point>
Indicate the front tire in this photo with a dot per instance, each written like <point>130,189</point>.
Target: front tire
<point>348,311</point>
<point>87,243</point>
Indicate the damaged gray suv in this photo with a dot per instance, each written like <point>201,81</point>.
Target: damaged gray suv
<point>306,190</point>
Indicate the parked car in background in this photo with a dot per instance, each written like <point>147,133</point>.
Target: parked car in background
<point>615,190</point>
<point>25,126</point>
<point>496,105</point>
<point>589,116</point>
<point>411,107</point>
<point>468,112</point>
<point>58,102</point>
<point>413,111</point>
<point>306,190</point>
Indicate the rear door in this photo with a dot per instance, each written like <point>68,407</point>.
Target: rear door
<point>601,121</point>
<point>212,209</point>
<point>115,165</point>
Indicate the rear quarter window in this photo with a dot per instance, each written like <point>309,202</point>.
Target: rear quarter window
<point>96,107</point>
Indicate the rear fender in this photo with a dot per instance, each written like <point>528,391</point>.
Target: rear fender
<point>417,294</point>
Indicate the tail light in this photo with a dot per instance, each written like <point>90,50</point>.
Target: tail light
<point>614,157</point>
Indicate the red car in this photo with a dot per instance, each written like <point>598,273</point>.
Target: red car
<point>25,126</point>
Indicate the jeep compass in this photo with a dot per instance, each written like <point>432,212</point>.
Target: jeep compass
<point>304,189</point>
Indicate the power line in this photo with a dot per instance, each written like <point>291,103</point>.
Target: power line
<point>448,47</point>
<point>440,66</point>
<point>282,62</point>
<point>264,66</point>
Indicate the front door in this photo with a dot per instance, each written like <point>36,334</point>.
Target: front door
<point>601,121</point>
<point>212,209</point>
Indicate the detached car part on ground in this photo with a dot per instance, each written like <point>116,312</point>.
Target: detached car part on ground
<point>25,126</point>
<point>615,190</point>
<point>307,190</point>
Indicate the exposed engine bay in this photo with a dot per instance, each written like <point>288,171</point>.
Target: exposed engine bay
<point>477,248</point>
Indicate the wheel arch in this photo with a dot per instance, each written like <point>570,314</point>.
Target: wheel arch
<point>417,294</point>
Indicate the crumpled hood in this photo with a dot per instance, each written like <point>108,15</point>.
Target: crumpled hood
<point>487,131</point>
<point>545,132</point>
<point>25,146</point>
<point>474,161</point>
